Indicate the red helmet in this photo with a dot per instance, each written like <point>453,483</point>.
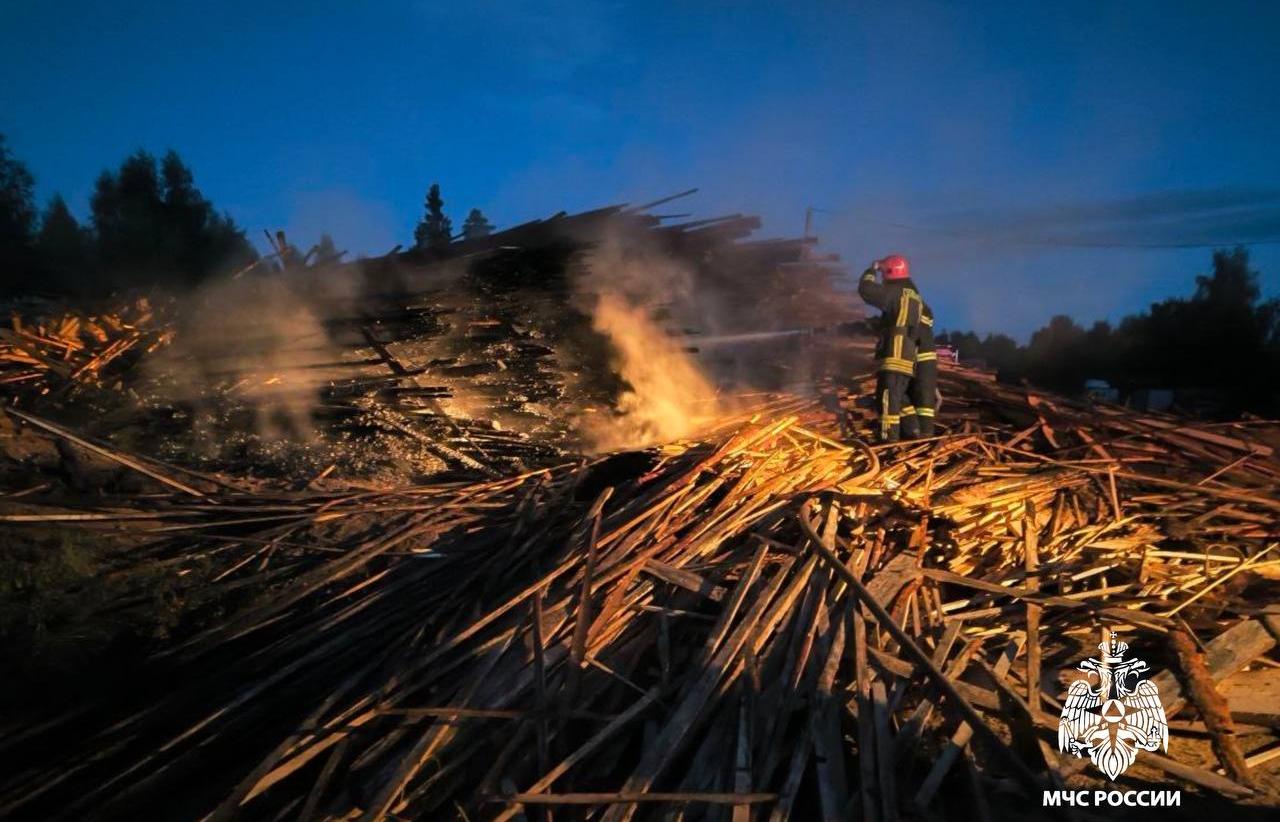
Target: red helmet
<point>895,267</point>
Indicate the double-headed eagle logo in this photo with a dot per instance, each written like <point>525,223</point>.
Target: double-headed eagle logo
<point>1111,721</point>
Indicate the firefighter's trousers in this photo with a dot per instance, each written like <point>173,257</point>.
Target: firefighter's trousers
<point>922,400</point>
<point>891,395</point>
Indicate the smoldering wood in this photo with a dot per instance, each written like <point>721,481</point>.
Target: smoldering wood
<point>770,619</point>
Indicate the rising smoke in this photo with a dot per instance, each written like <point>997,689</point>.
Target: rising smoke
<point>254,346</point>
<point>624,286</point>
<point>260,353</point>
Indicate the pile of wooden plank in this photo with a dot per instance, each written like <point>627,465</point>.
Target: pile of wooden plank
<point>476,359</point>
<point>775,621</point>
<point>59,352</point>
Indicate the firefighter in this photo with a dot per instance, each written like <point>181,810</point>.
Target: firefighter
<point>905,334</point>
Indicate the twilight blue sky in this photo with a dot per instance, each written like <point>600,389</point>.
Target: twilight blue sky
<point>997,144</point>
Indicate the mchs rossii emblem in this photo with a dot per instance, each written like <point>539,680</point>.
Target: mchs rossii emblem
<point>1113,717</point>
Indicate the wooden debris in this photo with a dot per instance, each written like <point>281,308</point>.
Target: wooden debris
<point>60,351</point>
<point>1214,710</point>
<point>764,623</point>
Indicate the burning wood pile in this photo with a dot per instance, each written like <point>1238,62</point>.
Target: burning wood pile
<point>766,622</point>
<point>479,359</point>
<point>57,353</point>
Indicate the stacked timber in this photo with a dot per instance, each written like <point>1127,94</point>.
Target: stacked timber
<point>771,621</point>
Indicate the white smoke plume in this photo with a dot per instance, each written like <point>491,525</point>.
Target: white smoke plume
<point>623,287</point>
<point>256,343</point>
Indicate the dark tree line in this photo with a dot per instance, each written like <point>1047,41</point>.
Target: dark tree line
<point>152,224</point>
<point>149,224</point>
<point>1222,341</point>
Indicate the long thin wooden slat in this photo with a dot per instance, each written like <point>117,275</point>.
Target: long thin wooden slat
<point>103,451</point>
<point>866,722</point>
<point>824,715</point>
<point>1031,549</point>
<point>884,753</point>
<point>582,614</point>
<point>585,750</point>
<point>637,797</point>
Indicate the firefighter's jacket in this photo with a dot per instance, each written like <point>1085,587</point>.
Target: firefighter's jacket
<point>906,323</point>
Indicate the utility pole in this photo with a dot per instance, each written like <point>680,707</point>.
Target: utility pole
<point>808,232</point>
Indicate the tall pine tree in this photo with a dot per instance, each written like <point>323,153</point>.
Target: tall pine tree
<point>435,230</point>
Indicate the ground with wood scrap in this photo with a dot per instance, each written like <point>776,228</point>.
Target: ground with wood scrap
<point>430,614</point>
